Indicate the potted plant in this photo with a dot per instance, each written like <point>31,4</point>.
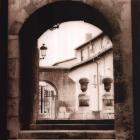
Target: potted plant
<point>83,98</point>
<point>107,83</point>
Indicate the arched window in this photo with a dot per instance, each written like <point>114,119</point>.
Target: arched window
<point>47,101</point>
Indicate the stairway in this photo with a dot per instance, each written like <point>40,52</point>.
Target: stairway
<point>98,130</point>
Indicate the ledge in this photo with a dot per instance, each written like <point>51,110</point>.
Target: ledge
<point>67,134</point>
<point>12,37</point>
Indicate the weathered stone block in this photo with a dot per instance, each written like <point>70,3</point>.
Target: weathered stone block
<point>30,8</point>
<point>15,28</point>
<point>21,16</point>
<point>11,2</point>
<point>13,127</point>
<point>24,3</point>
<point>123,122</point>
<point>40,3</point>
<point>13,106</point>
<point>13,68</point>
<point>13,88</point>
<point>13,48</point>
<point>14,4</point>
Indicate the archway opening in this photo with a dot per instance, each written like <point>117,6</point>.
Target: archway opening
<point>80,51</point>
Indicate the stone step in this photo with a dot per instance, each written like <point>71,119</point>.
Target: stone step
<point>73,125</point>
<point>67,134</point>
<point>101,121</point>
<point>63,139</point>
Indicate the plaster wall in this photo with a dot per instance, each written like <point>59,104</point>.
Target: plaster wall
<point>64,85</point>
<point>105,69</point>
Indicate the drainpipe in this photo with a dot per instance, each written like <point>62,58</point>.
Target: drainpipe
<point>98,89</point>
<point>41,99</point>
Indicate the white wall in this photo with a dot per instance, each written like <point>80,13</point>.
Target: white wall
<point>105,68</point>
<point>98,45</point>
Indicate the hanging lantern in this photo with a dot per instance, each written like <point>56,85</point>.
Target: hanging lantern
<point>43,50</point>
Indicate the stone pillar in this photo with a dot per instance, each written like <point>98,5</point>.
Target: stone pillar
<point>13,87</point>
<point>35,85</point>
<point>108,100</point>
<point>83,98</point>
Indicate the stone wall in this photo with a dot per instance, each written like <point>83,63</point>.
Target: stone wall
<point>118,14</point>
<point>64,84</point>
<point>13,87</point>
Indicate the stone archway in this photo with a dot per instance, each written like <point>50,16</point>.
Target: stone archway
<point>31,31</point>
<point>36,24</point>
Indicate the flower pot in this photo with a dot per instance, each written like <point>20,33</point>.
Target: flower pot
<point>84,84</point>
<point>107,83</point>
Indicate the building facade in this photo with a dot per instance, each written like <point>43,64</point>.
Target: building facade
<point>94,61</point>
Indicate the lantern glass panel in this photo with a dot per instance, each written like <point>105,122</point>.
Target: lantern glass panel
<point>43,53</point>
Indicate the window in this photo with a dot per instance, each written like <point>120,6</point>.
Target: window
<point>91,49</point>
<point>82,57</point>
<point>47,101</point>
